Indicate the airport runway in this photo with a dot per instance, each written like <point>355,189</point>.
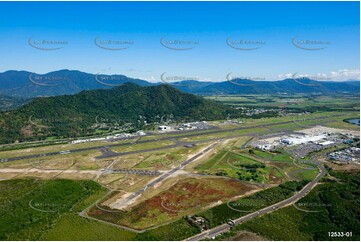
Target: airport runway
<point>134,195</point>
<point>132,171</point>
<point>108,154</point>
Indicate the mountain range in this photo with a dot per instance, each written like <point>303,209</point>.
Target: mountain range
<point>28,85</point>
<point>62,82</point>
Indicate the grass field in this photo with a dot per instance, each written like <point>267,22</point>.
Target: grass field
<point>254,165</point>
<point>143,146</point>
<point>227,163</point>
<point>74,227</point>
<point>340,102</point>
<point>168,159</point>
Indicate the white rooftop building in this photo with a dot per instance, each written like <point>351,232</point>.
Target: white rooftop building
<point>303,139</point>
<point>164,128</point>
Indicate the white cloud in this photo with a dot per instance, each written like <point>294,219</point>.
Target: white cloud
<point>339,75</point>
<point>149,79</point>
<point>285,76</point>
<point>345,74</point>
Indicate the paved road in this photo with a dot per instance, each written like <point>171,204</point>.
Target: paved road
<point>165,175</point>
<point>151,140</point>
<point>246,143</point>
<point>114,154</point>
<point>225,227</point>
<point>133,171</point>
<point>106,151</point>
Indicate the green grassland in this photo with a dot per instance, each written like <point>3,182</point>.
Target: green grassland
<point>338,102</point>
<point>80,160</point>
<point>170,159</point>
<point>255,165</point>
<point>74,227</point>
<point>233,165</point>
<point>143,146</point>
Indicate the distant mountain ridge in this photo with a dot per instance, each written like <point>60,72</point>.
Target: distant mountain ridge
<point>62,82</point>
<point>287,86</point>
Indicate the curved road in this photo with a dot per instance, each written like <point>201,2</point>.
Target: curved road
<point>225,227</point>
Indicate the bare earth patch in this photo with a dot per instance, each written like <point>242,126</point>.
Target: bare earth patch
<point>186,196</point>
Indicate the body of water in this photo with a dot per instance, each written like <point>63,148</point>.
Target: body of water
<point>355,121</point>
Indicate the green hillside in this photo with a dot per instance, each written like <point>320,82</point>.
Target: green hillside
<point>83,113</point>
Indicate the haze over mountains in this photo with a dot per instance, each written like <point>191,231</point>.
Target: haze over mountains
<point>27,84</point>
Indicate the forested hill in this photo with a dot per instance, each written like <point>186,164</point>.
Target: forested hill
<point>80,114</point>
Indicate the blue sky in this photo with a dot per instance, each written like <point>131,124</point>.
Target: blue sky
<point>276,34</point>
